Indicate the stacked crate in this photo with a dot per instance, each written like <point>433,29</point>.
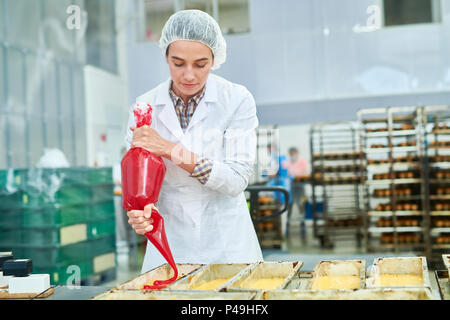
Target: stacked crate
<point>62,219</point>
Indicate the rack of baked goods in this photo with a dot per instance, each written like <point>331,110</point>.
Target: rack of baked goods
<point>442,239</point>
<point>336,182</point>
<point>440,128</point>
<point>439,158</point>
<point>403,206</point>
<point>319,178</point>
<point>338,168</point>
<point>440,174</point>
<point>405,174</point>
<point>395,160</point>
<point>437,168</point>
<point>397,127</point>
<point>439,144</point>
<point>344,222</point>
<point>440,222</point>
<point>400,191</point>
<point>400,222</point>
<point>402,238</point>
<point>410,143</point>
<point>304,179</point>
<point>338,156</point>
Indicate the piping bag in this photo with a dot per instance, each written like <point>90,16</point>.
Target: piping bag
<point>142,178</point>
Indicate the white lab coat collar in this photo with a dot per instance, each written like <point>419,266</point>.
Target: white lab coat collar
<point>168,115</point>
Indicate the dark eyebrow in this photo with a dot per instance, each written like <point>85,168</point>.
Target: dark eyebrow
<point>198,60</point>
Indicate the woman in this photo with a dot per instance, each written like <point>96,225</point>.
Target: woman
<point>204,129</point>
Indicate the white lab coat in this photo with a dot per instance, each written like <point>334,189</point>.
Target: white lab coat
<point>207,223</point>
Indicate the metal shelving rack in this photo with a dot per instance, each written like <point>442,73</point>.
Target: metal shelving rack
<point>335,181</point>
<point>436,123</point>
<point>395,190</point>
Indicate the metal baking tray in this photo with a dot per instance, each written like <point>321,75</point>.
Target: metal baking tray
<point>398,265</point>
<point>209,273</point>
<point>302,281</point>
<point>115,294</point>
<point>355,268</point>
<point>446,259</point>
<point>359,294</point>
<point>261,270</point>
<point>163,272</point>
<point>443,282</point>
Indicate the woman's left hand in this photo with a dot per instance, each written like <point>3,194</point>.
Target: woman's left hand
<point>147,138</point>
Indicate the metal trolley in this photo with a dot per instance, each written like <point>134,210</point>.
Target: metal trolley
<point>336,182</point>
<point>395,189</point>
<point>266,215</point>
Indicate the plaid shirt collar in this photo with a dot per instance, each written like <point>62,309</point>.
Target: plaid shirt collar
<point>195,100</point>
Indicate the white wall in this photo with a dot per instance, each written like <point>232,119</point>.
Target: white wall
<point>106,97</point>
<point>106,102</point>
<point>303,58</point>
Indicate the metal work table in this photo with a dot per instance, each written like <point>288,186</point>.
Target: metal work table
<point>80,293</point>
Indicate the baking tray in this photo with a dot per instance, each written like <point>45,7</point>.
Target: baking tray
<point>163,272</point>
<point>209,273</point>
<point>260,270</point>
<point>359,294</point>
<point>115,294</point>
<point>398,265</point>
<point>443,282</point>
<point>446,259</point>
<point>302,281</point>
<point>340,268</point>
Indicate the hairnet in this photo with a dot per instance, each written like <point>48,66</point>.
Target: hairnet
<point>195,25</point>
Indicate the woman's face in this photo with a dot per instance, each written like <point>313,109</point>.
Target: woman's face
<point>189,63</point>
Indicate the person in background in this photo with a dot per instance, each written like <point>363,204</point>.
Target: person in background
<point>296,167</point>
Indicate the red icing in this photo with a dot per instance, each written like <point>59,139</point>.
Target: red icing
<point>142,177</point>
<point>143,115</point>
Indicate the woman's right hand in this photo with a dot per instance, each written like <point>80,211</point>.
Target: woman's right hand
<point>140,220</point>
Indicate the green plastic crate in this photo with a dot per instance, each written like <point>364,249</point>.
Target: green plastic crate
<point>10,218</point>
<point>97,229</point>
<point>99,176</point>
<point>53,236</point>
<point>11,179</point>
<point>60,274</point>
<point>102,245</point>
<point>65,196</point>
<point>52,216</point>
<point>56,176</point>
<point>102,211</point>
<point>50,256</point>
<point>12,201</point>
<point>102,193</point>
